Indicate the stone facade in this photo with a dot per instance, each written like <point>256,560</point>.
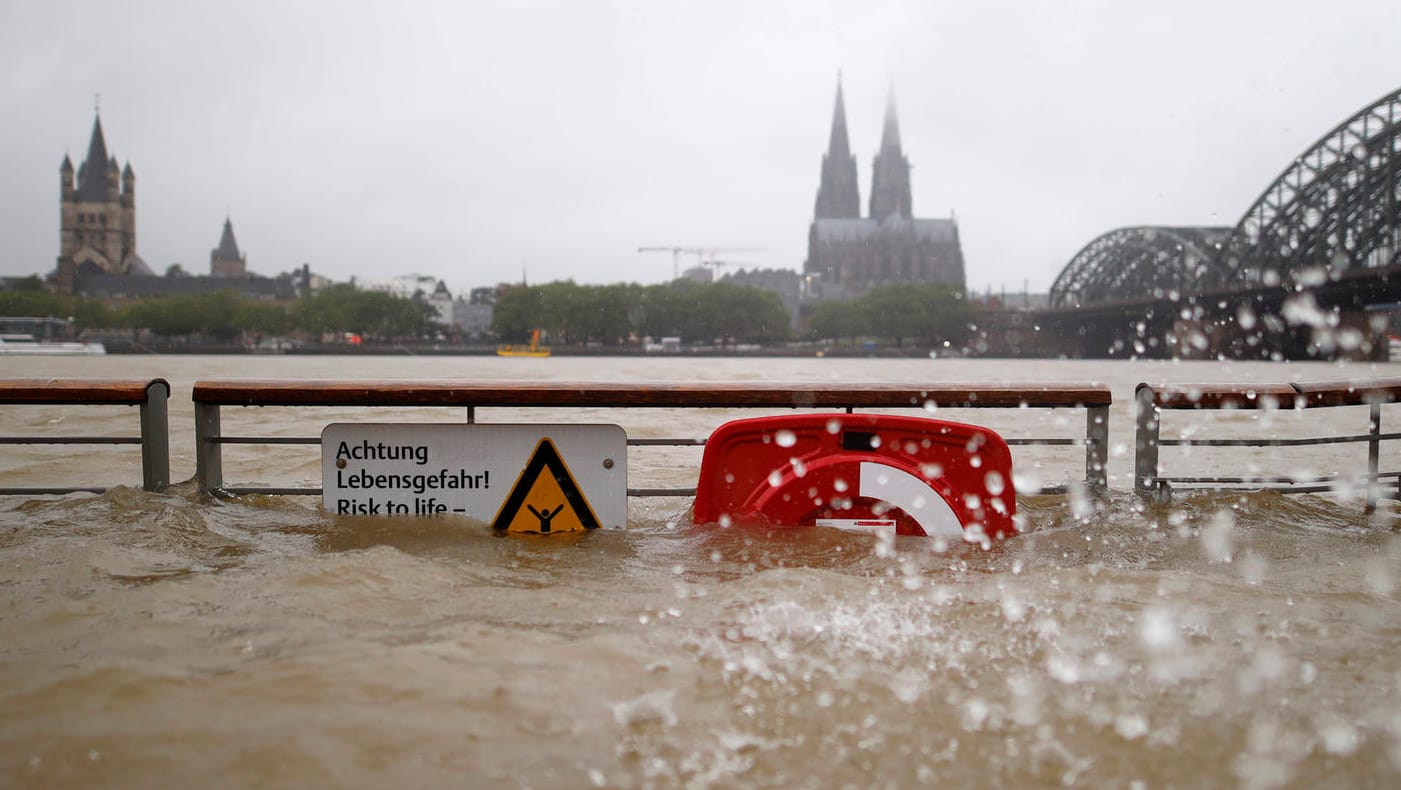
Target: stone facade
<point>225,260</point>
<point>97,216</point>
<point>849,255</point>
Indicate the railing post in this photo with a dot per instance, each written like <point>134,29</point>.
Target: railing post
<point>1097,447</point>
<point>155,436</point>
<point>209,462</point>
<point>1374,432</point>
<point>1146,434</point>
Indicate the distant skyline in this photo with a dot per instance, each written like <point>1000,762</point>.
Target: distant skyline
<point>471,142</point>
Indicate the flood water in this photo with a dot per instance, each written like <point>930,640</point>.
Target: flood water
<point>1224,640</point>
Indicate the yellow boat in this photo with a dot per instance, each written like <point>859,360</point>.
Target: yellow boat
<point>532,350</point>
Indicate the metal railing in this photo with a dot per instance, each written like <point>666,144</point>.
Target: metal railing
<point>211,396</point>
<point>152,395</point>
<point>1152,400</point>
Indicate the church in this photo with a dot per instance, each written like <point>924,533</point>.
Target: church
<point>97,216</point>
<point>849,255</point>
<point>97,241</point>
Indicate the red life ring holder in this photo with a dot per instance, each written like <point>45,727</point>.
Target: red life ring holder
<point>914,475</point>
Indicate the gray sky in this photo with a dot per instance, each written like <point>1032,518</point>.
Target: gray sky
<point>471,140</point>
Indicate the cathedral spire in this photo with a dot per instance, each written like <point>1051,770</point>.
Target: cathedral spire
<point>228,248</point>
<point>226,260</point>
<point>92,174</point>
<point>890,181</point>
<point>839,145</point>
<point>838,195</point>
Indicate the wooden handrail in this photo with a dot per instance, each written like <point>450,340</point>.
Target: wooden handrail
<point>151,395</point>
<point>1350,393</point>
<point>35,392</point>
<point>1297,395</point>
<point>1219,396</point>
<point>1284,396</point>
<point>666,394</point>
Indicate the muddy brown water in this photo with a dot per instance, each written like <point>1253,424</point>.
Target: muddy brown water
<point>149,639</point>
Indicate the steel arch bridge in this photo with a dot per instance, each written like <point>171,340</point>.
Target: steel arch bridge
<point>1335,209</point>
<point>1138,262</point>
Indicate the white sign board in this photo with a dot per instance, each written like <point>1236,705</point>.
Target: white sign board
<point>518,478</point>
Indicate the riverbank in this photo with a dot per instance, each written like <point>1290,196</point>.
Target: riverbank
<point>471,350</point>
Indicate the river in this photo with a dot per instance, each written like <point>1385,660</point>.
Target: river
<point>150,639</point>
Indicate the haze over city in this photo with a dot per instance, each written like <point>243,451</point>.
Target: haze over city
<point>553,138</point>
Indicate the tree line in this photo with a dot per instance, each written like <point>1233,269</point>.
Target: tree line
<point>928,314</point>
<point>225,315</point>
<point>622,313</point>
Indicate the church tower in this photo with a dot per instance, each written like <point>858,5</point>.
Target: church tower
<point>849,255</point>
<point>890,180</point>
<point>225,260</point>
<point>97,215</point>
<point>838,196</point>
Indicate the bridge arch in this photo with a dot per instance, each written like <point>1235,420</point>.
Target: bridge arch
<point>1138,261</point>
<point>1336,207</point>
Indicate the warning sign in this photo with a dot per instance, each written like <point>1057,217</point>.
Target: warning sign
<point>519,478</point>
<point>545,498</point>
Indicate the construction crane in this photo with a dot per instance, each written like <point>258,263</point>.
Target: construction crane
<point>701,253</point>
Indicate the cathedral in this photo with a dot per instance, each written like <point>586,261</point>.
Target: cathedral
<point>97,242</point>
<point>848,254</point>
<point>97,216</point>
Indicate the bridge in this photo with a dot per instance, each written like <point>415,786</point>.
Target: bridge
<point>1312,269</point>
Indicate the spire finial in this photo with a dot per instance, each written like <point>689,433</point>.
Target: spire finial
<point>97,104</point>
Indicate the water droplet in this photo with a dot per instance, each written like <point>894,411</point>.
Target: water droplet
<point>1131,727</point>
<point>1217,538</point>
<point>994,482</point>
<point>785,438</point>
<point>1157,631</point>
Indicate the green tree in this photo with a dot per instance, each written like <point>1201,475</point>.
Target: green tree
<point>695,311</point>
<point>372,314</point>
<point>517,311</point>
<point>929,313</point>
<point>27,297</point>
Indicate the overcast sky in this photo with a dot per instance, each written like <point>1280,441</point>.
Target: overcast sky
<point>471,141</point>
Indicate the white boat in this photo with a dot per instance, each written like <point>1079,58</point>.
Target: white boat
<point>15,344</point>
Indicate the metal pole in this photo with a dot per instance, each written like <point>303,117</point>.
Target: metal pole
<point>1145,458</point>
<point>209,462</point>
<point>1374,432</point>
<point>1097,447</point>
<point>155,436</point>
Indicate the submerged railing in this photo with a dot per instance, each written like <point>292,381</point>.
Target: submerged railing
<point>1152,400</point>
<point>152,395</point>
<point>211,396</point>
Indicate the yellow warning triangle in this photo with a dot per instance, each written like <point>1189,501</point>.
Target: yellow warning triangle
<point>545,498</point>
